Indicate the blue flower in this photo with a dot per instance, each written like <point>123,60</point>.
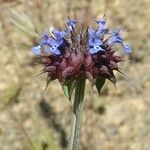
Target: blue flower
<point>101,27</point>
<point>101,23</point>
<point>96,39</point>
<point>91,32</point>
<point>59,34</point>
<point>95,45</point>
<point>116,38</point>
<point>100,31</point>
<point>127,48</point>
<point>53,48</point>
<point>71,23</point>
<point>96,33</point>
<point>50,45</point>
<point>36,50</point>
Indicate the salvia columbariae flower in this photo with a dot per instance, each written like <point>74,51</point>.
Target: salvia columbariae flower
<point>89,53</point>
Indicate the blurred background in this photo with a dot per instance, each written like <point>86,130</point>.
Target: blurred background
<point>31,119</point>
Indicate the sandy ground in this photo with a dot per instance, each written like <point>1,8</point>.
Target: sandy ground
<point>33,119</point>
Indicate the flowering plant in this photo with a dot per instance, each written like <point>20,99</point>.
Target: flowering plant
<point>72,56</point>
<point>89,54</point>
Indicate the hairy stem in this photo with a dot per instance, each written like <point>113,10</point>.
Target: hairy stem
<point>77,115</point>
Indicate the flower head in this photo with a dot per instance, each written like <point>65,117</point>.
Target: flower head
<point>58,35</point>
<point>117,38</point>
<point>36,50</point>
<point>95,45</point>
<point>70,55</point>
<point>71,23</point>
<point>101,22</point>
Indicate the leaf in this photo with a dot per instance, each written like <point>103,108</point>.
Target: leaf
<point>100,81</point>
<point>68,87</point>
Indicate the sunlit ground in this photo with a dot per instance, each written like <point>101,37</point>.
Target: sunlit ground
<point>31,119</point>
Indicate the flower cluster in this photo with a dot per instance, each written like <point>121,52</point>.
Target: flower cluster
<point>70,54</point>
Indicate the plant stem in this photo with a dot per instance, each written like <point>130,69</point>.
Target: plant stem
<point>77,115</point>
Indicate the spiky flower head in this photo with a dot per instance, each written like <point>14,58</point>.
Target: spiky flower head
<point>89,53</point>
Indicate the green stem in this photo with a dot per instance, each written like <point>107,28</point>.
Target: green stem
<point>77,115</point>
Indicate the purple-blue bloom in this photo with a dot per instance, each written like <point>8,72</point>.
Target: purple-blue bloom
<point>97,41</point>
<point>101,23</point>
<point>116,38</point>
<point>53,48</point>
<point>36,50</point>
<point>92,33</point>
<point>95,45</point>
<point>96,33</point>
<point>127,48</point>
<point>50,45</point>
<point>100,31</point>
<point>71,23</point>
<point>59,34</point>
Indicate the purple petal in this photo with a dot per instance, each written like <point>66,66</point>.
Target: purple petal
<point>45,36</point>
<point>92,51</point>
<point>55,31</point>
<point>91,32</point>
<point>115,39</point>
<point>127,48</point>
<point>36,50</point>
<point>116,32</point>
<point>54,50</point>
<point>101,31</point>
<point>53,42</point>
<point>59,34</point>
<point>71,23</point>
<point>57,52</point>
<point>101,23</point>
<point>62,34</point>
<point>95,41</point>
<point>101,27</point>
<point>91,43</point>
<point>50,42</point>
<point>95,49</point>
<point>98,41</point>
<point>44,43</point>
